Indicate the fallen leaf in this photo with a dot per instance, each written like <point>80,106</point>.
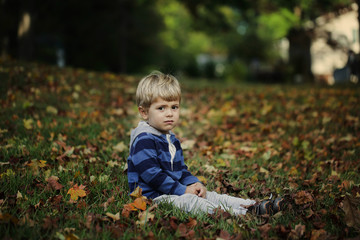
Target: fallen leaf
<point>115,217</point>
<point>28,123</point>
<point>107,203</point>
<point>139,203</point>
<point>192,223</point>
<point>224,235</point>
<point>182,231</point>
<point>19,195</point>
<point>53,183</point>
<point>266,109</point>
<point>303,197</point>
<point>264,230</point>
<point>298,232</point>
<point>202,179</point>
<point>36,164</point>
<point>318,234</point>
<point>51,110</point>
<point>117,112</point>
<point>352,213</point>
<point>76,192</point>
<point>6,218</point>
<point>137,192</point>
<point>50,223</point>
<point>145,217</point>
<point>188,144</point>
<point>120,147</point>
<point>26,220</point>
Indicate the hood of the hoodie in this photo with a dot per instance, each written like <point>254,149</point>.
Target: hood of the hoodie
<point>144,127</point>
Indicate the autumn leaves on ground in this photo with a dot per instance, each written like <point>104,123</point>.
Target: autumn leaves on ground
<point>64,137</point>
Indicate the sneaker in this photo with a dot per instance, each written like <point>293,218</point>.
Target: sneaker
<point>261,208</point>
<point>268,206</point>
<point>278,205</point>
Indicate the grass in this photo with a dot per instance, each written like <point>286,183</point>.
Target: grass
<point>297,141</point>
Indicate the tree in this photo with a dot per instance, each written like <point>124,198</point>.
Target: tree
<point>256,15</point>
<point>120,35</point>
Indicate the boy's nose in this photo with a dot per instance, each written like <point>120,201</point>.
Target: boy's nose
<point>169,112</point>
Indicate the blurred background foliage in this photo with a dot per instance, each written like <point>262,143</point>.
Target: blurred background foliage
<point>203,38</point>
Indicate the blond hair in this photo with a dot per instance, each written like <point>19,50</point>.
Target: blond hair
<point>155,85</point>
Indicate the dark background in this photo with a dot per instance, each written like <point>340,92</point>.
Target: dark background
<point>136,36</point>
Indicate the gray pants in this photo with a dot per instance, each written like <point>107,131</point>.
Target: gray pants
<point>193,203</point>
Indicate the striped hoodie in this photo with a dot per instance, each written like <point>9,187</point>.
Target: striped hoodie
<point>156,163</point>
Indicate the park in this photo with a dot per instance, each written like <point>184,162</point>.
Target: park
<point>253,123</point>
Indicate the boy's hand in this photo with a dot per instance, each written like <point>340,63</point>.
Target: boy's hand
<point>197,189</point>
<point>201,189</point>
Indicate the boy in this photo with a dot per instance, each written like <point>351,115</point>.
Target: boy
<point>156,162</point>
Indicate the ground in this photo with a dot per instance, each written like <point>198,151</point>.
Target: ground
<point>64,137</point>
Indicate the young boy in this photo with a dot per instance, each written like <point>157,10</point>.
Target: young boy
<point>156,162</point>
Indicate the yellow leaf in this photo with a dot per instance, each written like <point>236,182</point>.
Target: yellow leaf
<point>71,236</point>
<point>325,120</point>
<point>120,147</point>
<point>115,217</point>
<point>69,151</point>
<point>28,123</point>
<point>220,163</point>
<point>76,192</point>
<point>117,112</point>
<point>266,109</point>
<point>52,110</point>
<point>19,195</point>
<point>103,178</point>
<point>140,203</point>
<point>8,173</point>
<point>137,192</point>
<point>202,179</point>
<point>145,217</point>
<point>188,144</point>
<point>37,163</point>
<point>347,138</point>
<point>112,163</point>
<point>293,171</point>
<point>42,163</point>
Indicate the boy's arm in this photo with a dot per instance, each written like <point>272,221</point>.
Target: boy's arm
<point>146,165</point>
<point>187,177</point>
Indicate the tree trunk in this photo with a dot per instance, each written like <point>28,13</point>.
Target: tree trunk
<point>299,55</point>
<point>125,8</point>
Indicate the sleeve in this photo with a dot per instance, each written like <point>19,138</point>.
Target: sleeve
<point>147,166</point>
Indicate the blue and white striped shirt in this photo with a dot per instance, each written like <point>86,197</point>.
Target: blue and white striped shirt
<point>152,167</point>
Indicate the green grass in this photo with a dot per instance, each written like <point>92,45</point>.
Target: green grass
<point>250,140</point>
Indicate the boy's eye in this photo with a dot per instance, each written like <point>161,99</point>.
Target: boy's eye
<point>161,108</point>
<point>175,107</point>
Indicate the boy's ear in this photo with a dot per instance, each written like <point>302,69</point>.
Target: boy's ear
<point>143,112</point>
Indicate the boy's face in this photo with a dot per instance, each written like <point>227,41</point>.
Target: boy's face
<point>162,115</point>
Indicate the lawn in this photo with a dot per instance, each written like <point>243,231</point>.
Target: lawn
<point>64,136</point>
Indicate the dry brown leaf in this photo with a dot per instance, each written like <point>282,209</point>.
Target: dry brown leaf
<point>53,183</point>
<point>303,197</point>
<point>352,213</point>
<point>318,234</point>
